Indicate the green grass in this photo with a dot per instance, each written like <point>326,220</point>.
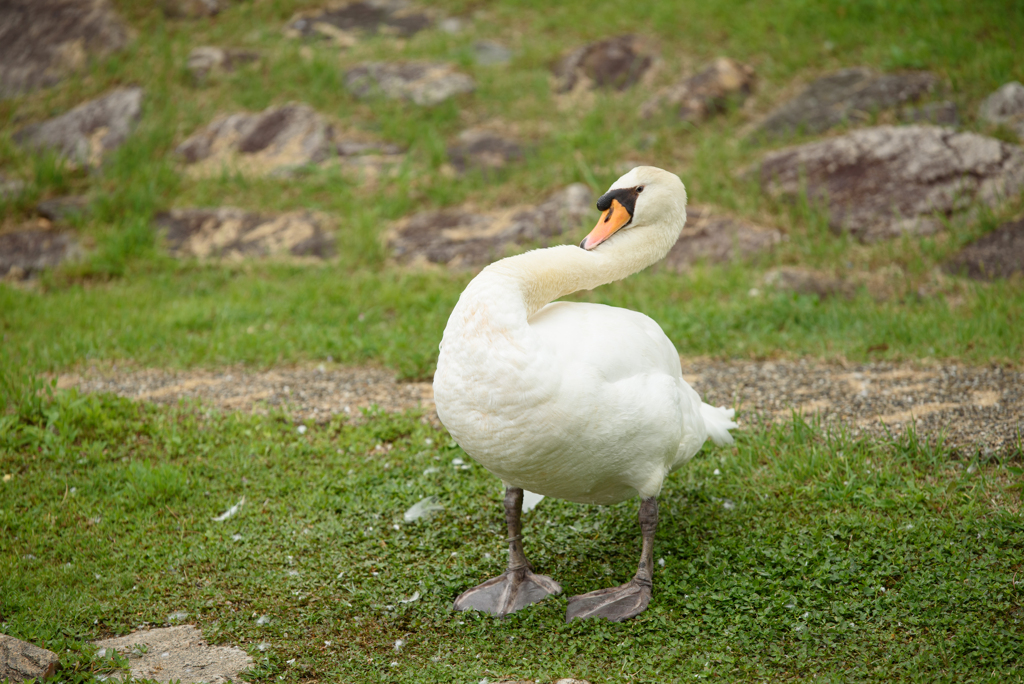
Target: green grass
<point>797,554</point>
<point>105,522</point>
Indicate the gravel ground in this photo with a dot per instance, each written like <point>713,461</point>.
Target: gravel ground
<point>977,408</point>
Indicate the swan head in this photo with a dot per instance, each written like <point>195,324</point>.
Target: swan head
<point>647,203</point>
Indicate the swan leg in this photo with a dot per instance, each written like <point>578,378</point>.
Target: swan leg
<point>631,599</point>
<point>518,586</point>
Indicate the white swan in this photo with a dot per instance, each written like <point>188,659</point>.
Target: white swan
<point>582,402</point>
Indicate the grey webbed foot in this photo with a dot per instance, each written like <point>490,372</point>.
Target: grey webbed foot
<point>508,592</point>
<point>615,603</point>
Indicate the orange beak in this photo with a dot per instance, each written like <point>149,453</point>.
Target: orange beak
<point>611,220</point>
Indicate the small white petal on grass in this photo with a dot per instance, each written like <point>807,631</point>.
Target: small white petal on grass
<point>302,429</point>
<point>264,619</point>
<point>263,646</point>
<point>290,662</point>
<point>717,472</point>
<point>414,597</point>
<point>423,508</point>
<point>428,441</point>
<point>661,562</point>
<point>530,500</point>
<point>399,643</point>
<point>327,643</point>
<point>457,461</point>
<point>177,616</point>
<point>431,470</point>
<point>236,537</point>
<point>231,511</point>
<point>396,526</point>
<point>728,504</point>
<point>293,573</point>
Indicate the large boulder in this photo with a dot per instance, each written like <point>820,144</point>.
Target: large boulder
<point>1005,107</point>
<point>706,93</point>
<point>346,22</point>
<point>90,131</point>
<point>233,234</point>
<point>419,82</point>
<point>274,141</point>
<point>999,254</point>
<point>885,181</point>
<point>849,95</point>
<point>20,660</point>
<point>42,41</point>
<point>618,62</point>
<point>461,238</point>
<point>717,237</point>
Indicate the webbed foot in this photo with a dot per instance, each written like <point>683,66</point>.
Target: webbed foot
<point>508,592</point>
<point>615,603</point>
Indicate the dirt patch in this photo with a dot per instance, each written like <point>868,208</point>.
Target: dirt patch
<point>306,393</point>
<point>999,254</point>
<point>179,654</point>
<point>974,408</point>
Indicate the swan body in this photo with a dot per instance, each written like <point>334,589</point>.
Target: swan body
<point>577,401</point>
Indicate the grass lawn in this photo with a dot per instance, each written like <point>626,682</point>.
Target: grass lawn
<point>797,554</point>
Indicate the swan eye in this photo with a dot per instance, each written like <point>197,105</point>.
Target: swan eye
<point>639,189</point>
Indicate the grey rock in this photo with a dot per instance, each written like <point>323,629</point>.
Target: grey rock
<point>180,654</point>
<point>999,254</point>
<point>192,9</point>
<point>346,22</point>
<point>717,237</point>
<point>423,83</point>
<point>274,141</point>
<point>27,252</point>
<point>230,233</point>
<point>1005,107</point>
<point>706,93</point>
<point>943,113</point>
<point>618,63</point>
<point>491,53</point>
<point>20,660</point>
<point>461,238</point>
<point>483,150</point>
<point>90,131</point>
<point>62,209</point>
<point>849,95</point>
<point>884,181</point>
<point>43,41</point>
<point>10,188</point>
<point>806,281</point>
<point>204,60</point>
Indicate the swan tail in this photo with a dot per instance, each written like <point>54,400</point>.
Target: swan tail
<point>718,421</point>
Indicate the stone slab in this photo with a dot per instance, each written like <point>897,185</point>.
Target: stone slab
<point>420,82</point>
<point>617,63</point>
<point>995,255</point>
<point>717,237</point>
<point>28,251</point>
<point>179,654</point>
<point>43,41</point>
<point>848,95</point>
<point>88,133</point>
<point>233,234</point>
<point>20,660</point>
<point>885,181</point>
<point>708,92</point>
